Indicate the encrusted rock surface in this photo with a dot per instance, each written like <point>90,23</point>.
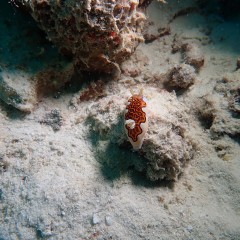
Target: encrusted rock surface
<point>97,34</point>
<point>181,76</point>
<point>166,148</point>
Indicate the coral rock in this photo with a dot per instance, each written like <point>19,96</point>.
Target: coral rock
<point>97,34</point>
<point>166,148</point>
<point>181,76</point>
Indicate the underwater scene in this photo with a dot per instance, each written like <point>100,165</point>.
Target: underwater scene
<point>120,119</point>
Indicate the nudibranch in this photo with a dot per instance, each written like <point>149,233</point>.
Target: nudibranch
<point>136,120</point>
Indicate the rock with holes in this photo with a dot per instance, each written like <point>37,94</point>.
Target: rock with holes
<point>167,146</point>
<point>97,34</point>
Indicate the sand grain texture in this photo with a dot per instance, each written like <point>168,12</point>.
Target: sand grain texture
<point>78,182</point>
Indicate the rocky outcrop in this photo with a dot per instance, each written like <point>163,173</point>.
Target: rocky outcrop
<point>97,34</point>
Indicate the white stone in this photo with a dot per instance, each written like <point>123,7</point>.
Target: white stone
<point>108,221</point>
<point>95,219</point>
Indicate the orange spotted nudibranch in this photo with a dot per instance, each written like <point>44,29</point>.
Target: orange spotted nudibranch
<point>136,120</point>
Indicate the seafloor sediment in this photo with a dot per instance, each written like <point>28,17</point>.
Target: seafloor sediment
<point>67,170</point>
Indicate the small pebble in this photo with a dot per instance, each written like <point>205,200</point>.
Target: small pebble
<point>108,221</point>
<point>165,206</point>
<point>95,219</point>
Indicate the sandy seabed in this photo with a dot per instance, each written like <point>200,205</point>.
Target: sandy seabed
<point>56,183</point>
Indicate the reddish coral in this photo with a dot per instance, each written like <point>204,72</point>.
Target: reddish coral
<point>98,35</point>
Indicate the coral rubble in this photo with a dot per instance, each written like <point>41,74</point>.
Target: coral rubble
<point>181,76</point>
